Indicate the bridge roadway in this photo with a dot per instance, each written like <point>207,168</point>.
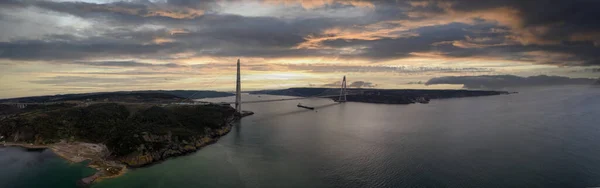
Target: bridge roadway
<point>288,99</point>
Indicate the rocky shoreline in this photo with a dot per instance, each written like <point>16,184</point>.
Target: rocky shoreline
<point>24,145</point>
<point>173,150</point>
<point>98,155</point>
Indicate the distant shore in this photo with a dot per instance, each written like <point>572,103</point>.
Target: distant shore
<point>382,96</point>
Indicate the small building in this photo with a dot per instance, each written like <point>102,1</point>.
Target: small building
<point>21,105</point>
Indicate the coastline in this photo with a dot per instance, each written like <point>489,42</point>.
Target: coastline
<point>77,152</point>
<point>24,145</point>
<point>147,159</point>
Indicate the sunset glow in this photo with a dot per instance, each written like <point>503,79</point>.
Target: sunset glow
<point>64,46</point>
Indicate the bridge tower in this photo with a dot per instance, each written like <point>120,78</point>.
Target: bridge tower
<point>343,91</point>
<point>238,90</point>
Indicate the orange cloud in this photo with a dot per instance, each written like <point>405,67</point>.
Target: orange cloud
<point>375,31</point>
<point>160,40</point>
<point>312,4</point>
<point>419,3</point>
<point>560,58</point>
<point>401,28</point>
<point>178,31</point>
<point>186,13</point>
<point>588,36</point>
<point>161,11</point>
<point>473,42</point>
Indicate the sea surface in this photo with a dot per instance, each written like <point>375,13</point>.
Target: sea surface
<point>546,137</point>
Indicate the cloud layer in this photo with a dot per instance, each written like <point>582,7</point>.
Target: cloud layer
<point>513,30</point>
<point>46,44</point>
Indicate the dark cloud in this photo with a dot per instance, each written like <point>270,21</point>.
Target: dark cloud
<point>204,4</point>
<point>125,64</point>
<point>379,68</point>
<point>569,27</point>
<point>124,10</point>
<point>83,49</point>
<point>416,83</point>
<point>215,35</point>
<point>333,84</point>
<point>245,31</point>
<point>100,82</point>
<point>508,81</point>
<point>362,84</point>
<point>592,70</point>
<point>563,17</point>
<point>403,47</point>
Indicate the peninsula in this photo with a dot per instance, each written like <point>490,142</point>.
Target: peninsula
<point>114,135</point>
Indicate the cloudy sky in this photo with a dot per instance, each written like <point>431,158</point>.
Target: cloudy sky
<point>75,46</point>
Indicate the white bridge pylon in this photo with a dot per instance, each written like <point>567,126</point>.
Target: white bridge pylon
<point>238,90</point>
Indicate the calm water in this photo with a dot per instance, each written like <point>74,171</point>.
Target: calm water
<point>22,168</point>
<point>537,138</point>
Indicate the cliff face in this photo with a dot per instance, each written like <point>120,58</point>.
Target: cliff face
<point>135,134</point>
<point>148,152</point>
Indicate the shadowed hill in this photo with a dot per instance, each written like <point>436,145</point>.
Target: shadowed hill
<point>124,96</point>
<point>509,81</point>
<point>128,130</point>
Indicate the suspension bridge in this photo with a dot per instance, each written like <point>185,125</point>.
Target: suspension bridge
<point>238,94</point>
<point>341,97</point>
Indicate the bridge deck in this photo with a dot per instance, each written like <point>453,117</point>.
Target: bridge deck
<point>288,99</point>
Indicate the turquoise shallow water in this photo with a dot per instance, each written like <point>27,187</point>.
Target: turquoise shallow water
<point>537,138</point>
<point>21,168</point>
